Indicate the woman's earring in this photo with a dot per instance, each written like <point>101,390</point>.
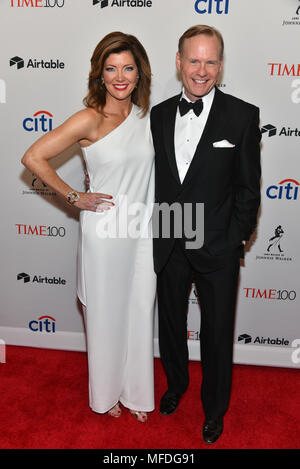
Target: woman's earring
<point>137,81</point>
<point>102,83</point>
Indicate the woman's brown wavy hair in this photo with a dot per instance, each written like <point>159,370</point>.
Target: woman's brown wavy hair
<point>114,43</point>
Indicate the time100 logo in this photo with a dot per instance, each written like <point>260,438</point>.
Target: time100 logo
<point>37,3</point>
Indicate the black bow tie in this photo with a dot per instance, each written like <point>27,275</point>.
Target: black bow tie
<point>185,107</point>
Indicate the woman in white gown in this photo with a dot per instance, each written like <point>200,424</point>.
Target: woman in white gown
<point>116,280</point>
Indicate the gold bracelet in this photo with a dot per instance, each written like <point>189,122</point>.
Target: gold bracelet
<point>72,197</point>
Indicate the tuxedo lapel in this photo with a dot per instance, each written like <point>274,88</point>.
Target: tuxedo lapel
<point>215,121</point>
<point>169,119</point>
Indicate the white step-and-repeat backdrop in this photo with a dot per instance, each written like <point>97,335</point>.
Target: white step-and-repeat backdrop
<point>45,52</point>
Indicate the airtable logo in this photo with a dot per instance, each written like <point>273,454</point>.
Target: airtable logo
<point>286,189</point>
<point>53,64</point>
<point>18,61</point>
<point>124,3</point>
<point>247,339</point>
<point>48,280</point>
<point>271,130</point>
<point>101,3</point>
<point>24,276</point>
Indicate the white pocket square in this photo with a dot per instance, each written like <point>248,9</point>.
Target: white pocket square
<point>223,144</point>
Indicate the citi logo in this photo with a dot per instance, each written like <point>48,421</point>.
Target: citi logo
<point>43,324</point>
<point>212,6</point>
<point>19,62</point>
<point>286,189</point>
<point>271,130</point>
<point>37,3</point>
<point>124,3</point>
<point>41,280</point>
<point>41,121</point>
<point>282,69</point>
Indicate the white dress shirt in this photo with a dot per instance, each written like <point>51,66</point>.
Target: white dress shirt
<point>188,131</point>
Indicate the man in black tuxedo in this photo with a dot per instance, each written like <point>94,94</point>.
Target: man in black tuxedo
<point>207,151</point>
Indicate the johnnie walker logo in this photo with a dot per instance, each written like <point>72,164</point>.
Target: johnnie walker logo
<point>275,247</point>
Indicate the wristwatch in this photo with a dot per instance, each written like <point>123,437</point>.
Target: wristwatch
<point>72,197</point>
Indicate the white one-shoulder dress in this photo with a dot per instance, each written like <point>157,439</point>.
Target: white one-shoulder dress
<point>116,280</point>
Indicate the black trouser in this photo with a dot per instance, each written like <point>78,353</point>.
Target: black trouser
<point>217,295</point>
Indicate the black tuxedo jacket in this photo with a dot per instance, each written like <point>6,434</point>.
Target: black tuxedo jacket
<point>226,180</point>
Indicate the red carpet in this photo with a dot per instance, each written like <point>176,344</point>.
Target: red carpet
<point>44,404</point>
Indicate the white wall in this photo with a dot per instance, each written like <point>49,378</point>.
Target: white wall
<point>39,231</point>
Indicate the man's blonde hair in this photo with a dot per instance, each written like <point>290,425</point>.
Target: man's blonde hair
<point>202,29</point>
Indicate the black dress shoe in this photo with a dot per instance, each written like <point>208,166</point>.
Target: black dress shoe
<point>169,403</point>
<point>212,429</point>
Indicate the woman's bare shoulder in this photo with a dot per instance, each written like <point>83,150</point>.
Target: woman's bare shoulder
<point>84,123</point>
<point>88,116</point>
